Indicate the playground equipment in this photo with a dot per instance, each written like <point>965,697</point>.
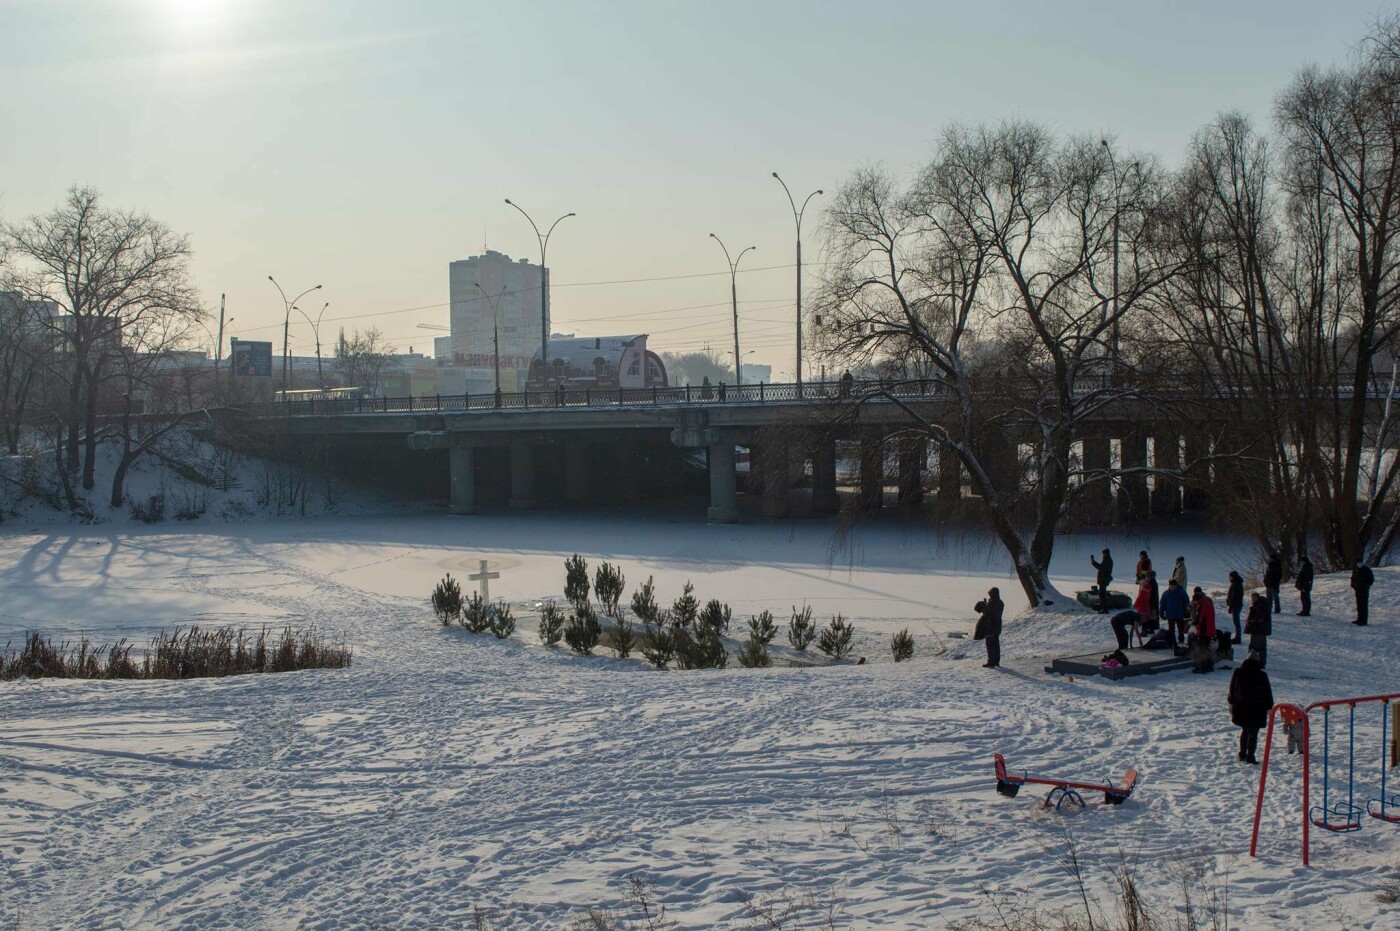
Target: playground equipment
<point>1339,816</point>
<point>1064,790</point>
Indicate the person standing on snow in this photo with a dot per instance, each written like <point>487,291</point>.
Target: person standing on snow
<point>1202,639</point>
<point>1144,565</point>
<point>1259,624</point>
<point>1105,576</point>
<point>1362,578</point>
<point>988,628</point>
<point>1304,584</point>
<point>1155,594</point>
<point>1250,697</point>
<point>1179,572</point>
<point>1273,579</point>
<point>1176,608</point>
<point>1142,605</point>
<point>1234,601</point>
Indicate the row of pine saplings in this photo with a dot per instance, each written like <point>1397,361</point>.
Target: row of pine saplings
<point>685,636</point>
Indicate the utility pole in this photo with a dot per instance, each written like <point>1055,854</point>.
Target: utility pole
<point>219,343</point>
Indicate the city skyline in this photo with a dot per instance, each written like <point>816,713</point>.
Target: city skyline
<point>363,149</point>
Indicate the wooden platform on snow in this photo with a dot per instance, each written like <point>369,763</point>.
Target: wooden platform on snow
<point>1140,663</point>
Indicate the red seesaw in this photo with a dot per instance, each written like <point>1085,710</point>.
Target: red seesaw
<point>1065,790</point>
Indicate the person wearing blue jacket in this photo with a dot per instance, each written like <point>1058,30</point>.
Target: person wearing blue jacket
<point>1175,608</point>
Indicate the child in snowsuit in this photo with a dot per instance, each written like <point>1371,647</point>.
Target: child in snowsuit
<point>1293,727</point>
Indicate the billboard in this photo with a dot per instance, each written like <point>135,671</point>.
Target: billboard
<point>251,358</point>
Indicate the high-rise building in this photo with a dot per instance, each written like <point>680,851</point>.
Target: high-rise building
<point>514,287</point>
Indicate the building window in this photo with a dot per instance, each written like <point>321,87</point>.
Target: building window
<point>600,367</point>
<point>635,368</point>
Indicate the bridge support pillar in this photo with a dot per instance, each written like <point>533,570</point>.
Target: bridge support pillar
<point>1197,494</point>
<point>724,495</point>
<point>1098,492</point>
<point>949,475</point>
<point>1132,489</point>
<point>576,472</point>
<point>461,464</point>
<point>627,472</point>
<point>774,467</point>
<point>824,497</point>
<point>999,460</point>
<point>522,477</point>
<point>872,473</point>
<point>912,453</point>
<point>1166,489</point>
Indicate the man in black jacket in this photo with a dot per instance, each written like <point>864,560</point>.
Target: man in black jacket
<point>989,612</point>
<point>1251,697</point>
<point>1273,580</point>
<point>1361,581</point>
<point>1105,576</point>
<point>1304,585</point>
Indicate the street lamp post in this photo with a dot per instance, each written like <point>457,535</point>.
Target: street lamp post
<point>286,321</point>
<point>495,333</point>
<point>544,287</point>
<point>316,330</point>
<point>797,213</point>
<point>1117,211</point>
<point>734,299</point>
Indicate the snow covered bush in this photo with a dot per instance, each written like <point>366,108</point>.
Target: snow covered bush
<point>576,581</point>
<point>476,614</point>
<point>551,629</point>
<point>716,616</point>
<point>608,582</point>
<point>644,603</point>
<point>151,511</point>
<point>447,600</point>
<point>502,621</point>
<point>686,608</point>
<point>835,639</point>
<point>583,631</point>
<point>801,630</point>
<point>754,653</point>
<point>762,628</point>
<point>699,648</point>
<point>624,638</point>
<point>658,644</point>
<point>902,645</point>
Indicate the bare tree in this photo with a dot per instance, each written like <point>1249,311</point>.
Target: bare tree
<point>995,272</point>
<point>112,274</point>
<point>25,343</point>
<point>360,358</point>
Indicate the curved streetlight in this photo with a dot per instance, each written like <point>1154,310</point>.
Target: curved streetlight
<point>316,329</point>
<point>797,213</point>
<point>1117,211</point>
<point>495,333</point>
<point>286,321</point>
<point>544,287</point>
<point>734,298</point>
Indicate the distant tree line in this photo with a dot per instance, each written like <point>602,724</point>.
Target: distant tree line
<point>1038,278</point>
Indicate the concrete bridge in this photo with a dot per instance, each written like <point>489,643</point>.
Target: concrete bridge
<point>578,445</point>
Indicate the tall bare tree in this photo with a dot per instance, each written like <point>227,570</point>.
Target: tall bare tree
<point>1005,270</point>
<point>111,273</point>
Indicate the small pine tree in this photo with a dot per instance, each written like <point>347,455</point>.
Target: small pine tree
<point>902,645</point>
<point>576,581</point>
<point>716,616</point>
<point>608,583</point>
<point>644,603</point>
<point>624,638</point>
<point>754,653</point>
<point>835,639</point>
<point>447,600</point>
<point>762,628</point>
<point>658,646</point>
<point>801,630</point>
<point>699,648</point>
<point>476,616</point>
<point>583,631</point>
<point>551,624</point>
<point>687,607</point>
<point>502,621</point>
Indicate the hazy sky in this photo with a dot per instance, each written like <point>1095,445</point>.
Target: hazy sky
<point>363,145</point>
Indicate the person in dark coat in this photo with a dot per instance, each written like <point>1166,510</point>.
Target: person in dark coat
<point>988,629</point>
<point>1234,601</point>
<point>1124,622</point>
<point>1362,578</point>
<point>1304,584</point>
<point>1105,576</point>
<point>1176,610</point>
<point>1251,697</point>
<point>1154,597</point>
<point>1144,565</point>
<point>1259,624</point>
<point>1273,579</point>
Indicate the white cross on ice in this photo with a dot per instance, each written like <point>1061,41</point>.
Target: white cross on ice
<point>484,577</point>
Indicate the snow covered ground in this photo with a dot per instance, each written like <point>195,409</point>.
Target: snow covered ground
<point>447,773</point>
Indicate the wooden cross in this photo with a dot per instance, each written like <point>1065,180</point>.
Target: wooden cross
<point>484,577</point>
